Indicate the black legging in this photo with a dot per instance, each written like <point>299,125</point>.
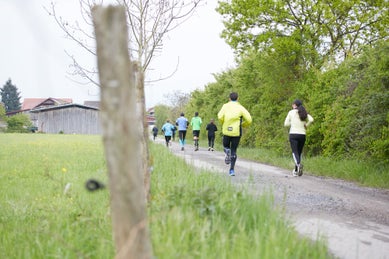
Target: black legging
<point>182,135</point>
<point>211,140</point>
<point>167,140</point>
<point>232,143</point>
<point>297,142</point>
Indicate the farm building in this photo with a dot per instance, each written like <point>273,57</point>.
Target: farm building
<point>67,118</point>
<point>61,115</point>
<point>33,103</point>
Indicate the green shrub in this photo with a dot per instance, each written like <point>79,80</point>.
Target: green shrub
<point>18,123</point>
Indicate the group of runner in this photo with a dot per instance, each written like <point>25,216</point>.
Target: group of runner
<point>182,124</point>
<point>233,117</point>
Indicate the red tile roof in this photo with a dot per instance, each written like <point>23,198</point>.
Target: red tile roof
<point>30,103</point>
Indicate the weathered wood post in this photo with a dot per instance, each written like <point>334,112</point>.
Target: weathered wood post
<point>121,135</point>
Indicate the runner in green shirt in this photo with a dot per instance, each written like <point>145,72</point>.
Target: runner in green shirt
<point>196,126</point>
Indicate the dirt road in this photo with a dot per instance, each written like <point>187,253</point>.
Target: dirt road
<point>354,220</point>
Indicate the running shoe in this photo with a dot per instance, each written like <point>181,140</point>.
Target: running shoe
<point>294,172</point>
<point>232,172</point>
<point>300,170</point>
<point>227,160</point>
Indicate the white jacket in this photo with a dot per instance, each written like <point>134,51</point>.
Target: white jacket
<point>296,125</point>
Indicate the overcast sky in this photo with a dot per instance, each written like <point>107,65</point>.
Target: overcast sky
<point>33,53</point>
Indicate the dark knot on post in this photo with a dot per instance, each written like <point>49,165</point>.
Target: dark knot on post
<point>94,185</point>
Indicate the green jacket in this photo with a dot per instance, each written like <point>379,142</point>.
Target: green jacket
<point>196,123</point>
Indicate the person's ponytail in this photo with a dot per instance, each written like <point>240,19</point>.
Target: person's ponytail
<point>302,113</point>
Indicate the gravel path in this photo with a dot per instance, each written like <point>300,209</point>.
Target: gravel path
<point>354,220</point>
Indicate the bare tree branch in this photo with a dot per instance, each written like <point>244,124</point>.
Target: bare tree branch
<point>165,77</point>
<point>149,21</point>
<point>83,72</point>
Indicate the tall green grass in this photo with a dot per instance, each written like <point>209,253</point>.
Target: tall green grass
<point>192,214</point>
<point>366,173</point>
<point>202,215</point>
<point>38,219</point>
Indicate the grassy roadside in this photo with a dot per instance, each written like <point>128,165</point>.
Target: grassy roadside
<point>192,215</point>
<point>201,215</point>
<point>364,173</point>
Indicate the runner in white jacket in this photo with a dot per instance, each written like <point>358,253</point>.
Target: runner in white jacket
<point>298,120</point>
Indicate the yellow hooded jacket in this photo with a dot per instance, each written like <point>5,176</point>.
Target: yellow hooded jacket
<point>234,116</point>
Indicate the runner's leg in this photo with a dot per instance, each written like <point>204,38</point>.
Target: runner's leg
<point>167,138</point>
<point>300,146</point>
<point>234,147</point>
<point>227,149</point>
<point>293,139</point>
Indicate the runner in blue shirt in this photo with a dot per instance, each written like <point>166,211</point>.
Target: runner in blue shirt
<point>182,124</point>
<point>167,130</point>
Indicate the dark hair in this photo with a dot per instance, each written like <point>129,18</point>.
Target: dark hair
<point>302,113</point>
<point>301,110</point>
<point>233,96</point>
<point>196,114</point>
<point>182,114</point>
<point>298,102</point>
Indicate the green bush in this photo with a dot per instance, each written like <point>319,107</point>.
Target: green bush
<point>18,123</point>
<point>355,124</point>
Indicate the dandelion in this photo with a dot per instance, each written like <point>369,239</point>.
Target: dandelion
<point>64,170</point>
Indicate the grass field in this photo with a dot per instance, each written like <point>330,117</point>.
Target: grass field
<point>38,219</point>
<point>46,212</point>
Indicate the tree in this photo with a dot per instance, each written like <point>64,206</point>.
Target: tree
<point>10,97</point>
<point>178,100</point>
<point>162,113</point>
<point>122,143</point>
<point>148,22</point>
<point>313,30</point>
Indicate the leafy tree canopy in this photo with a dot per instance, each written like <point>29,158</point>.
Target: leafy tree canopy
<point>10,97</point>
<point>315,30</point>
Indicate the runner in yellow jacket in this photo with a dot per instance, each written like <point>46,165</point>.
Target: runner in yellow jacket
<point>233,117</point>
